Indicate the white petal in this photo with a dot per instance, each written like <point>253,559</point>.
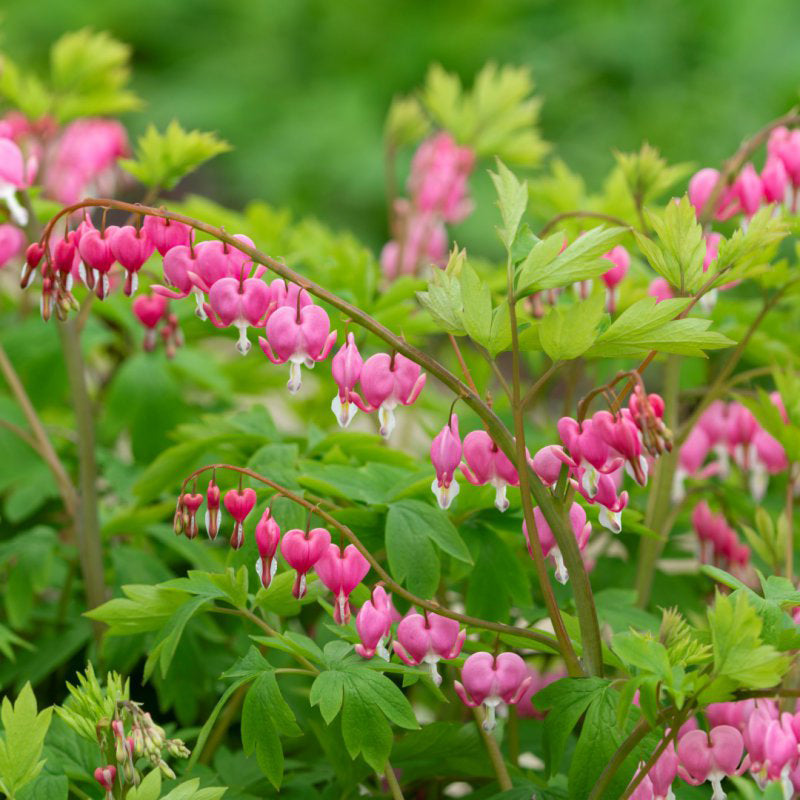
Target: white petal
<point>500,499</point>
<point>387,421</point>
<point>295,378</point>
<point>610,520</point>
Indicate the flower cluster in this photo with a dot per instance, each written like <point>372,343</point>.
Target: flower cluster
<point>729,432</point>
<point>484,463</point>
<point>153,311</point>
<point>437,187</point>
<point>719,543</point>
<point>743,736</point>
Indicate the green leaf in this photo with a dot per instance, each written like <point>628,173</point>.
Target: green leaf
<point>265,715</point>
<point>327,692</point>
<point>443,298</point>
<point>477,312</point>
<point>376,688</point>
<point>500,334</point>
<point>23,90</point>
<point>642,652</point>
<point>566,700</point>
<point>365,731</point>
<point>512,200</point>
<point>680,251</point>
<point>169,637</point>
<point>162,159</point>
<point>89,72</point>
<point>23,739</point>
<point>566,333</point>
<point>434,523</point>
<point>548,267</point>
<point>405,122</point>
<point>148,789</point>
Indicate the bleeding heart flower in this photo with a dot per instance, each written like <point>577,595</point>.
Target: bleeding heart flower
<point>486,463</point>
<point>268,537</point>
<point>387,381</point>
<point>284,293</point>
<point>166,233</point>
<point>611,504</point>
<point>341,571</point>
<point>150,310</point>
<point>446,456</point>
<point>237,302</point>
<point>588,450</point>
<point>492,680</point>
<point>580,527</point>
<point>12,240</point>
<point>33,257</point>
<point>346,368</point>
<point>131,247</point>
<point>374,625</point>
<point>15,174</point>
<point>774,180</point>
<point>239,503</point>
<point>106,776</point>
<point>299,336</point>
<point>190,504</point>
<point>302,550</point>
<point>710,757</point>
<point>620,433</point>
<point>428,639</point>
<point>621,260</point>
<point>180,263</point>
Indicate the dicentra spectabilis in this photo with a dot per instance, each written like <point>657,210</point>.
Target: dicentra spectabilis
<point>663,773</point>
<point>621,434</point>
<point>428,639</point>
<point>486,463</point>
<point>12,240</point>
<point>238,302</point>
<point>580,528</point>
<point>374,625</point>
<point>621,260</point>
<point>341,571</point>
<point>548,463</point>
<point>611,504</point>
<point>302,549</point>
<point>588,450</point>
<point>346,368</point>
<point>692,454</point>
<point>268,537</point>
<point>300,335</point>
<point>239,503</point>
<point>785,145</point>
<point>701,185</point>
<point>422,240</point>
<point>284,293</point>
<point>106,776</point>
<point>748,190</point>
<point>539,680</point>
<point>446,456</point>
<point>150,310</point>
<point>386,382</point>
<point>95,250</point>
<point>710,756</point>
<point>774,180</point>
<point>215,260</point>
<point>769,459</point>
<point>131,247</point>
<point>644,790</point>
<point>492,680</point>
<point>33,257</point>
<point>15,174</point>
<point>212,509</point>
<point>733,713</point>
<point>166,233</point>
<point>780,752</point>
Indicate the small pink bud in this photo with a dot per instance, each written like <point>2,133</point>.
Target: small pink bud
<point>774,180</point>
<point>374,625</point>
<point>212,509</point>
<point>446,456</point>
<point>346,368</point>
<point>239,503</point>
<point>106,776</point>
<point>268,537</point>
<point>191,503</point>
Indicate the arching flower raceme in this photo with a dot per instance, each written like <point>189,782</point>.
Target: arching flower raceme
<point>386,382</point>
<point>268,537</point>
<point>446,456</point>
<point>374,625</point>
<point>131,247</point>
<point>239,503</point>
<point>190,504</point>
<point>300,336</point>
<point>710,757</point>
<point>212,509</point>
<point>341,571</point>
<point>346,368</point>
<point>15,174</point>
<point>302,550</point>
<point>428,639</point>
<point>238,302</point>
<point>167,233</point>
<point>490,680</point>
<point>580,527</point>
<point>150,310</point>
<point>485,462</point>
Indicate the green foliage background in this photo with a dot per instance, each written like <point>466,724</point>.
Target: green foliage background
<point>301,88</point>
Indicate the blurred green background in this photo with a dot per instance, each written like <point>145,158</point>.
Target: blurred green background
<point>300,87</point>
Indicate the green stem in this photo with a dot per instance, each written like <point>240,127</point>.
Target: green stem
<point>394,786</point>
<point>493,751</point>
<point>660,497</point>
<point>790,522</point>
<point>87,526</point>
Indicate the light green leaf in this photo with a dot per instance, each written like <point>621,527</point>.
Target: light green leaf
<point>512,199</point>
<point>566,333</point>
<point>162,159</point>
<point>433,522</point>
<point>376,688</point>
<point>500,335</point>
<point>148,789</point>
<point>327,692</point>
<point>476,315</point>
<point>365,731</point>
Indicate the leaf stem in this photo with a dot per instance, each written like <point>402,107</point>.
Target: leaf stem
<point>391,780</point>
<point>493,750</point>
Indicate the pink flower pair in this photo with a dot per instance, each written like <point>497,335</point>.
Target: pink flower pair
<point>428,638</point>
